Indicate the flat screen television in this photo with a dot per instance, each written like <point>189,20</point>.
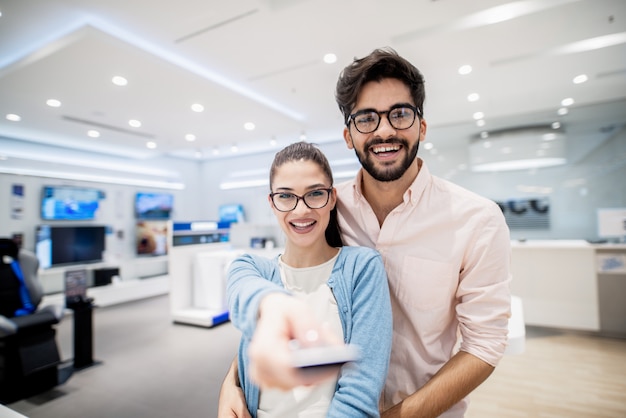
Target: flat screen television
<point>231,213</point>
<point>58,245</point>
<point>153,205</point>
<point>151,237</point>
<point>69,203</point>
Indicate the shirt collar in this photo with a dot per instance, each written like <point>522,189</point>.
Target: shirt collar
<point>412,194</point>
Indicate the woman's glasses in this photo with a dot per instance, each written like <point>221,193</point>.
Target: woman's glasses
<point>315,199</point>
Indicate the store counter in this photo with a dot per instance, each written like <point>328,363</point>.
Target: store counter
<point>571,284</point>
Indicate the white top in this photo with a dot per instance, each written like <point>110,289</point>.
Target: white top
<point>309,284</point>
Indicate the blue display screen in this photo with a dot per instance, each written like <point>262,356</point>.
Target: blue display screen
<point>154,205</point>
<point>70,203</point>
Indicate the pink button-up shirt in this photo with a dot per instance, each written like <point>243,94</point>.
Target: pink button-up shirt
<point>447,255</point>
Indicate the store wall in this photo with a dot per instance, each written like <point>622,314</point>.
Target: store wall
<point>591,180</point>
<point>116,210</point>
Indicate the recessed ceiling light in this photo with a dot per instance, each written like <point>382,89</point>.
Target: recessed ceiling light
<point>473,97</point>
<point>330,58</point>
<point>556,125</point>
<point>53,103</point>
<point>190,137</point>
<point>303,136</point>
<point>197,107</point>
<point>234,148</point>
<point>151,144</point>
<point>13,117</point>
<point>119,81</point>
<point>93,133</point>
<point>134,123</point>
<point>580,79</point>
<point>567,102</point>
<point>562,111</point>
<point>484,134</point>
<point>550,136</point>
<point>480,123</point>
<point>465,69</point>
<point>478,115</point>
<point>249,126</point>
<point>273,142</point>
<point>428,145</point>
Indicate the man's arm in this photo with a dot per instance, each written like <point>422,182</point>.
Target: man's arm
<point>454,381</point>
<point>232,402</point>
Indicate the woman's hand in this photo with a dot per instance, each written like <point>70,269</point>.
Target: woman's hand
<point>283,318</point>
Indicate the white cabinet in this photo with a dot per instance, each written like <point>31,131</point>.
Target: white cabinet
<point>556,281</point>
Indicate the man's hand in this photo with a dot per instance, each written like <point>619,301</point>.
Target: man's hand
<point>232,402</point>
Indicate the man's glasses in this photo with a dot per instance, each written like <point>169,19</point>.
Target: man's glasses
<point>315,199</point>
<point>399,116</point>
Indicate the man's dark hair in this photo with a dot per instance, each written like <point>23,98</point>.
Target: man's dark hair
<point>380,64</point>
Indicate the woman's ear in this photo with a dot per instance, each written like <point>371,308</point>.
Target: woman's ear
<point>333,198</point>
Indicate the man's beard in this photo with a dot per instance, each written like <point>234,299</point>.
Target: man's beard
<point>391,173</point>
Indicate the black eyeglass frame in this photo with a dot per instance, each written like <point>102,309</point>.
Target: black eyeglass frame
<point>299,198</point>
<point>416,113</point>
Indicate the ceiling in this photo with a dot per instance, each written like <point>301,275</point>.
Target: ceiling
<point>261,62</point>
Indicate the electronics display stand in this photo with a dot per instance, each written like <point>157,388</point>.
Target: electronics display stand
<point>76,299</point>
<point>83,332</point>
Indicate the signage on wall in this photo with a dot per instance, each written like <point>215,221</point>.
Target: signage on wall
<point>533,213</point>
<point>17,201</point>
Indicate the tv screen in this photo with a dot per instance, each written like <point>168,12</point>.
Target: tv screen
<point>153,205</point>
<point>151,237</point>
<point>58,245</point>
<point>69,203</point>
<point>231,213</point>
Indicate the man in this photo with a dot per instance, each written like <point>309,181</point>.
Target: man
<point>446,250</point>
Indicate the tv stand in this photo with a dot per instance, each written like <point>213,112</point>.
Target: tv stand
<point>83,333</point>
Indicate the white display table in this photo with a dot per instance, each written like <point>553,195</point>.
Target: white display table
<point>559,282</point>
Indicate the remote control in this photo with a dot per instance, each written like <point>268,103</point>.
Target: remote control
<point>324,356</point>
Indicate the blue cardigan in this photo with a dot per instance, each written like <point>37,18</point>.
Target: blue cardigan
<point>359,284</point>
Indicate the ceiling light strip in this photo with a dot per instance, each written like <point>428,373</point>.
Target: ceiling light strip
<point>93,178</point>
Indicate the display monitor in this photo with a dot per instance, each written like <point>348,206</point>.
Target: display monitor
<point>151,237</point>
<point>231,213</point>
<point>58,245</point>
<point>612,223</point>
<point>70,203</point>
<point>153,205</point>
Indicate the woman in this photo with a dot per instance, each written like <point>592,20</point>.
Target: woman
<point>345,288</point>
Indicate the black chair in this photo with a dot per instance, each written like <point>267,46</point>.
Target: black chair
<point>29,356</point>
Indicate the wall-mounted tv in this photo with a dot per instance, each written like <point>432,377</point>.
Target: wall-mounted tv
<point>151,237</point>
<point>153,205</point>
<point>57,245</point>
<point>232,213</point>
<point>69,203</point>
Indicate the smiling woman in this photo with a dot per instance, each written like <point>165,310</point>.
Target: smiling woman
<point>313,278</point>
